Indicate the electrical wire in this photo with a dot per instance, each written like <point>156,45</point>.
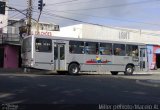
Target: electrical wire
<point>11,17</point>
<point>16,15</point>
<point>76,20</point>
<point>111,6</point>
<point>107,17</point>
<point>74,3</point>
<point>58,3</point>
<point>19,10</point>
<point>72,19</point>
<point>13,23</point>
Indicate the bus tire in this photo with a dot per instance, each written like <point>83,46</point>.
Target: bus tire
<point>114,72</point>
<point>73,69</point>
<point>129,70</point>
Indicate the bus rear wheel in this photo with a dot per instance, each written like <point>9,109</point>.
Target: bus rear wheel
<point>114,73</point>
<point>73,68</point>
<point>129,70</point>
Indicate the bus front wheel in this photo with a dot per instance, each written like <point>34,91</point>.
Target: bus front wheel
<point>129,70</point>
<point>73,68</point>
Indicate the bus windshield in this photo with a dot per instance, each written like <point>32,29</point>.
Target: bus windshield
<point>26,45</point>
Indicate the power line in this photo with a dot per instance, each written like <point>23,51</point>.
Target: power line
<point>12,17</point>
<point>63,2</point>
<point>76,20</point>
<point>16,10</point>
<point>19,10</point>
<point>77,2</point>
<point>15,14</point>
<point>111,6</point>
<point>49,16</point>
<point>89,22</point>
<point>13,23</point>
<point>111,18</point>
<point>59,16</point>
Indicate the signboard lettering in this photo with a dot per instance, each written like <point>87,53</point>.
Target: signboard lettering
<point>124,35</point>
<point>42,33</point>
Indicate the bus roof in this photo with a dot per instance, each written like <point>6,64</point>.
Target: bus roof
<point>82,39</point>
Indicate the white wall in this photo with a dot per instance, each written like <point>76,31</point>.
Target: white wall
<point>149,38</point>
<point>110,33</point>
<point>74,31</point>
<point>4,19</point>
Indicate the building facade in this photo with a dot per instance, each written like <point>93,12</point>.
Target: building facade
<point>150,38</point>
<point>3,17</point>
<point>10,45</point>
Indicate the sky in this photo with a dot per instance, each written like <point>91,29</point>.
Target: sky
<point>136,14</point>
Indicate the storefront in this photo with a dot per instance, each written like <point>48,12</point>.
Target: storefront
<point>10,56</point>
<point>153,56</point>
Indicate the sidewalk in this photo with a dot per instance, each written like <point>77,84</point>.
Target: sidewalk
<point>18,70</point>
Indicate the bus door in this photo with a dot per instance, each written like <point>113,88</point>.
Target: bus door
<point>143,58</point>
<point>59,56</point>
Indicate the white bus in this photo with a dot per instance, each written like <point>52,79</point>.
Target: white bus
<point>79,55</point>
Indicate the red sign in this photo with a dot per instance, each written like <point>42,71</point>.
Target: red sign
<point>42,33</point>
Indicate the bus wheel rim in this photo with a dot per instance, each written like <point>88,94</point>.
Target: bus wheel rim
<point>129,70</point>
<point>74,70</point>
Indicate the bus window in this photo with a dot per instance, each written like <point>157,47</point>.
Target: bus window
<point>105,48</point>
<point>132,50</point>
<point>119,49</point>
<point>91,48</point>
<point>76,47</point>
<point>43,45</point>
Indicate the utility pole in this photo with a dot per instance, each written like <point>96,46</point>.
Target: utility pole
<point>29,12</point>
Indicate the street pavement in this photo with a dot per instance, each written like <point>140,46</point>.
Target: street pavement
<point>150,78</point>
<point>47,88</point>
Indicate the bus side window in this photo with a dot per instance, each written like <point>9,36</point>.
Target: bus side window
<point>43,45</point>
<point>119,49</point>
<point>91,48</point>
<point>105,48</point>
<point>76,47</point>
<point>132,50</point>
